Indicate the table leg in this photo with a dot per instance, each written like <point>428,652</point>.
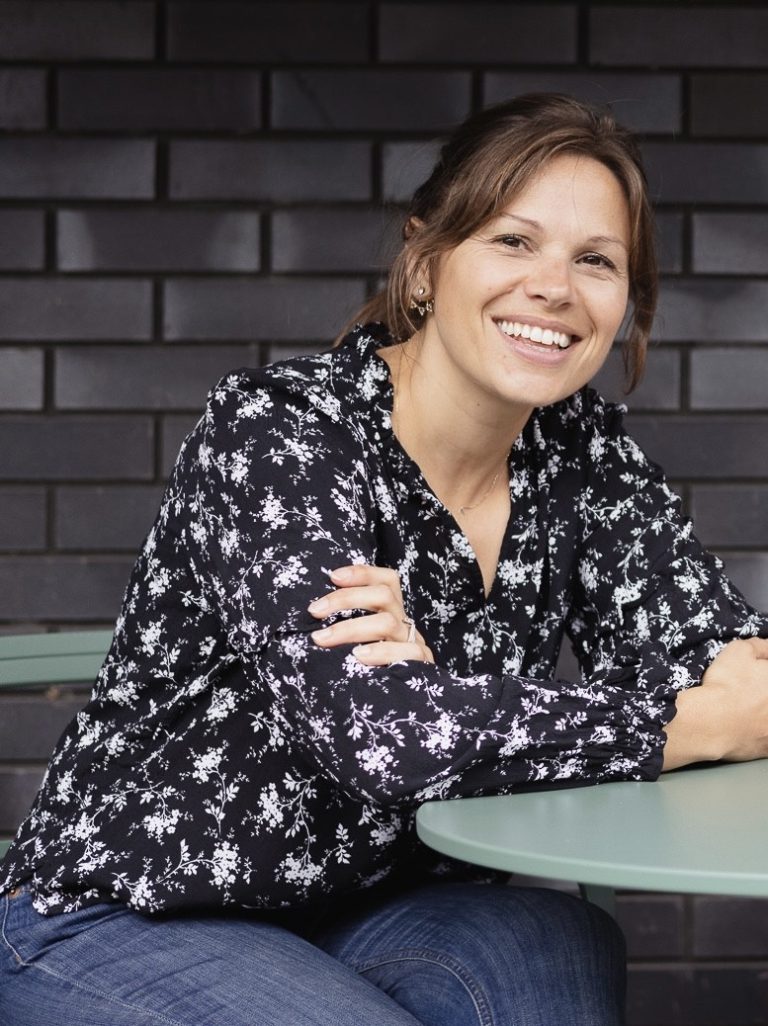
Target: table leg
<point>603,897</point>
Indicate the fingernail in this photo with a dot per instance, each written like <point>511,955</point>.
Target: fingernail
<point>360,650</point>
<point>322,635</point>
<point>342,574</point>
<point>319,605</point>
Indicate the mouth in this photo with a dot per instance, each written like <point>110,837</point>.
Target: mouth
<point>536,334</point>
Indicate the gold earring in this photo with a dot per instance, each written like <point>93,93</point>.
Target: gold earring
<point>420,305</point>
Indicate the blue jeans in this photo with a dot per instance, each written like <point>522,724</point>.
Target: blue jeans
<point>443,955</point>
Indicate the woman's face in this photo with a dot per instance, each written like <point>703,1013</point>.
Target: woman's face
<point>527,308</point>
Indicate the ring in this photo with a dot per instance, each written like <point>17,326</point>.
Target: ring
<point>411,630</point>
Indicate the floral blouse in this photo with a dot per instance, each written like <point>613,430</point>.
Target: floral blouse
<point>225,759</point>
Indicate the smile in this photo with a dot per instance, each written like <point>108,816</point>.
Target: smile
<point>545,336</point>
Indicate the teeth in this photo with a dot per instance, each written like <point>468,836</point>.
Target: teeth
<point>545,336</point>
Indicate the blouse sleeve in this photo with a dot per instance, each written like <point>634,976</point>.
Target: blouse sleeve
<point>650,602</point>
<point>280,495</point>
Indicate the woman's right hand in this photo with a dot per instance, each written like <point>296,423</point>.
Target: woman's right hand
<point>727,716</point>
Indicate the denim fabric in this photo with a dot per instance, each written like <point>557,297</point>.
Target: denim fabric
<point>448,955</point>
<point>488,955</point>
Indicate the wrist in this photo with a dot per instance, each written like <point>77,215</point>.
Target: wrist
<point>695,734</point>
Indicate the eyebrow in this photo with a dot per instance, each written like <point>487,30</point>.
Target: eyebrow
<point>610,239</point>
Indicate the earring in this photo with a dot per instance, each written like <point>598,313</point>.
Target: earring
<point>422,306</point>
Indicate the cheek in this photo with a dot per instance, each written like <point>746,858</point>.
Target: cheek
<point>610,311</point>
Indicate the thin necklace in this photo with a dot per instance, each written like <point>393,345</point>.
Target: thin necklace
<point>468,509</point>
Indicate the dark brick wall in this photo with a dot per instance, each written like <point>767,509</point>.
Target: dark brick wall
<point>189,186</point>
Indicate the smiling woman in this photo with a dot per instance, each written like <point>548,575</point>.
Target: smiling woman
<point>353,599</point>
<point>518,321</point>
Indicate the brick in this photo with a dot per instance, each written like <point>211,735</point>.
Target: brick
<point>59,309</point>
<point>332,240</point>
<point>64,588</point>
<point>22,99</point>
<point>21,379</point>
<point>710,36</point>
<point>21,240</point>
<point>731,514</point>
<point>486,33</point>
<point>704,447</point>
<point>22,521</point>
<point>281,351</point>
<point>712,310</point>
<point>730,243</point>
<point>405,166</point>
<point>729,996</point>
<point>264,33</point>
<point>31,724</point>
<point>700,172</point>
<point>115,517</point>
<point>730,927</point>
<point>369,100</point>
<point>163,99</point>
<point>659,389</point>
<point>749,572</point>
<point>656,996</point>
<point>641,101</point>
<point>161,240</point>
<point>147,377</point>
<point>669,228</point>
<point>266,170</point>
<point>18,787</point>
<point>75,168</point>
<point>76,30</point>
<point>174,430</point>
<point>259,309</point>
<point>732,378</point>
<point>687,995</point>
<point>729,104</point>
<point>653,924</point>
<point>76,448</point>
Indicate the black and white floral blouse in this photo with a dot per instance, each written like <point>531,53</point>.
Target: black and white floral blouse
<point>226,760</point>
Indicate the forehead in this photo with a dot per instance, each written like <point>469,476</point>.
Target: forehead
<point>575,188</point>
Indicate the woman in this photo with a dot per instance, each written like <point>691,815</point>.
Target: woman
<point>225,834</point>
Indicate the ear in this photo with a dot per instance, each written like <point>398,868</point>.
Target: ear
<point>411,227</point>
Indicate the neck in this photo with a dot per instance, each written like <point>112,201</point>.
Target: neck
<point>460,443</point>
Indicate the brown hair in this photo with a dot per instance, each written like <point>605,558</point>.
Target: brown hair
<point>488,160</point>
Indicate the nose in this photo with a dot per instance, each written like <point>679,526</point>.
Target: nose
<point>549,281</point>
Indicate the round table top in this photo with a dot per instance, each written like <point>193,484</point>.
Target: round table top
<point>701,830</point>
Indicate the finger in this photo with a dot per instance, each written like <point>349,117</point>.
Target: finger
<point>375,597</point>
<point>383,653</point>
<point>364,574</point>
<point>362,629</point>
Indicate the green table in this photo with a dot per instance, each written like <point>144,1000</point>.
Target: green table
<point>701,830</point>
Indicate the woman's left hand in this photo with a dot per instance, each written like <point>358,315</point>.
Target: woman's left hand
<point>382,636</point>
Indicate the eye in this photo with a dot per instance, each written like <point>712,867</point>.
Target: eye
<point>598,260</point>
<point>514,242</point>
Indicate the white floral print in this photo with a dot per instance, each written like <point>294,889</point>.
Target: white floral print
<point>226,760</point>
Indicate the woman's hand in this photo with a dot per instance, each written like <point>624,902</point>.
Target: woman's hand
<point>383,636</point>
<point>727,716</point>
